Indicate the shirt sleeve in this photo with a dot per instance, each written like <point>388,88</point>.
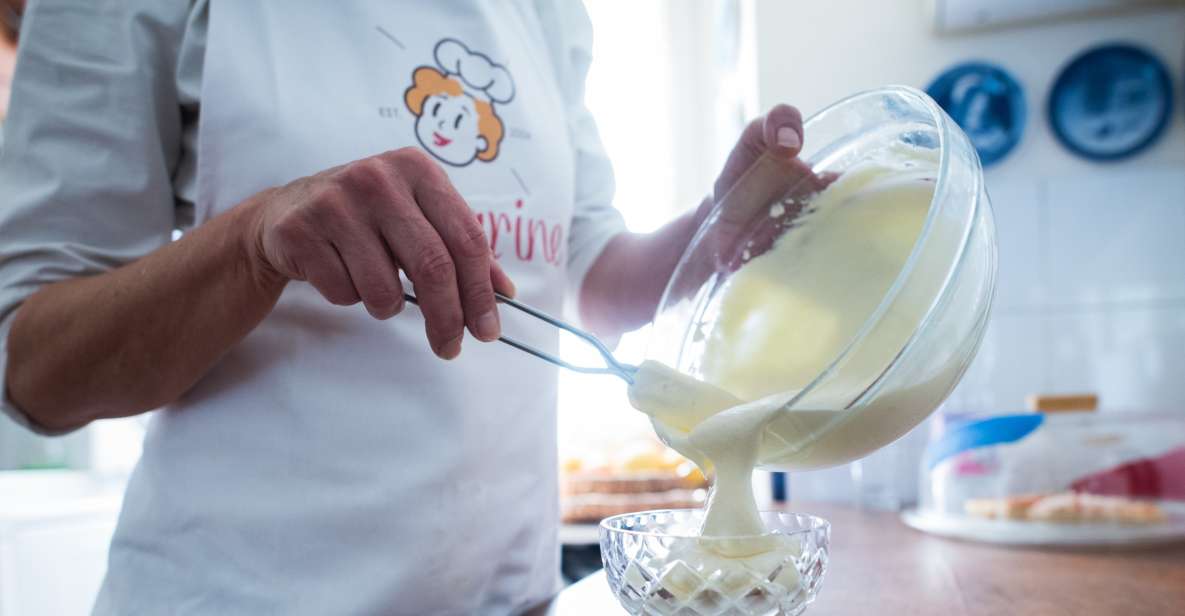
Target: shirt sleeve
<point>90,146</point>
<point>594,219</point>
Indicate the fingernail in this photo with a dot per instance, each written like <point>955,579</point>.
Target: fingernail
<point>788,138</point>
<point>488,327</point>
<point>451,349</point>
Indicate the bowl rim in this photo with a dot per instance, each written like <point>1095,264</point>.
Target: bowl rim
<point>946,132</point>
<point>943,125</point>
<point>817,525</point>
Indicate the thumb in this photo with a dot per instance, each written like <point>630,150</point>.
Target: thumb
<point>778,133</point>
<point>782,131</point>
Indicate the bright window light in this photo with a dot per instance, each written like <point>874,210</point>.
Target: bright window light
<point>651,89</point>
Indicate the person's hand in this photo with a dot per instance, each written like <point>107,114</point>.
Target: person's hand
<point>776,136</point>
<point>762,169</point>
<point>349,230</point>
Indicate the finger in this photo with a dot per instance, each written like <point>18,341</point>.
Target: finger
<point>321,265</point>
<point>741,158</point>
<point>501,280</point>
<point>427,262</point>
<point>765,182</point>
<point>761,229</point>
<point>781,133</point>
<point>777,134</point>
<point>373,272</point>
<point>470,251</point>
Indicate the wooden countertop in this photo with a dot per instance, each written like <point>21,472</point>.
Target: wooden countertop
<point>880,566</point>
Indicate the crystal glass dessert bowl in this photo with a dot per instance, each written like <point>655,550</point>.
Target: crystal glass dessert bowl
<point>657,563</point>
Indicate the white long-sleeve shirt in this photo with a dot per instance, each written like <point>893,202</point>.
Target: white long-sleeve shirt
<point>329,463</point>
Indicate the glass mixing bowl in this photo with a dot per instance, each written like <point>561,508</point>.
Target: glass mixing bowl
<point>911,349</point>
<point>657,564</point>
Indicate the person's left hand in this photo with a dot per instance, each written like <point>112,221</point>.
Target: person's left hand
<point>762,169</point>
<point>776,135</point>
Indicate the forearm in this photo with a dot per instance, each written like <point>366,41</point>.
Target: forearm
<point>622,289</point>
<point>130,340</point>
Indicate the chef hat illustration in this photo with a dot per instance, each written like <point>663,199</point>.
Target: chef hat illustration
<point>483,78</point>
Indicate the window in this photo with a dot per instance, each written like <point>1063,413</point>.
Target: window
<point>669,104</point>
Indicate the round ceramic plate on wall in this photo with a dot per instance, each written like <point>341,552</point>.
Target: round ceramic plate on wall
<point>1111,102</point>
<point>986,102</point>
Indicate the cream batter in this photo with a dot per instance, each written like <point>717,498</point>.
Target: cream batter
<point>780,322</point>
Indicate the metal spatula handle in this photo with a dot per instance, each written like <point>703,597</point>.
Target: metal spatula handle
<point>613,366</point>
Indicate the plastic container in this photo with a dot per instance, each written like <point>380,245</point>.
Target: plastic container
<point>1058,479</point>
<point>943,292</point>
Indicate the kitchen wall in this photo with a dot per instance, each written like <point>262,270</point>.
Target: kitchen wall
<point>1091,290</point>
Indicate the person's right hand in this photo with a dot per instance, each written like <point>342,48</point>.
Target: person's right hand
<point>349,230</point>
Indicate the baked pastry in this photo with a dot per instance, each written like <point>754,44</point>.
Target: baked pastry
<point>1067,508</point>
<point>1071,507</point>
<point>1011,508</point>
<point>636,478</point>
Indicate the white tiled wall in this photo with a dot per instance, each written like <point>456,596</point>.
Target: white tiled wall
<point>1115,236</point>
<point>1006,369</point>
<point>1134,357</point>
<point>1021,242</point>
<point>1091,292</point>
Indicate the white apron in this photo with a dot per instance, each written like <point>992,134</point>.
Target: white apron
<point>330,464</point>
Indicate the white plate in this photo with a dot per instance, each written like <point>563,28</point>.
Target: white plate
<point>1016,532</point>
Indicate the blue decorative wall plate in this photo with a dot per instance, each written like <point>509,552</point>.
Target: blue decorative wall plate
<point>1111,102</point>
<point>987,102</point>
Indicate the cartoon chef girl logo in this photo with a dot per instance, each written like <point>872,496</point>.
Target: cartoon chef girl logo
<point>454,105</point>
